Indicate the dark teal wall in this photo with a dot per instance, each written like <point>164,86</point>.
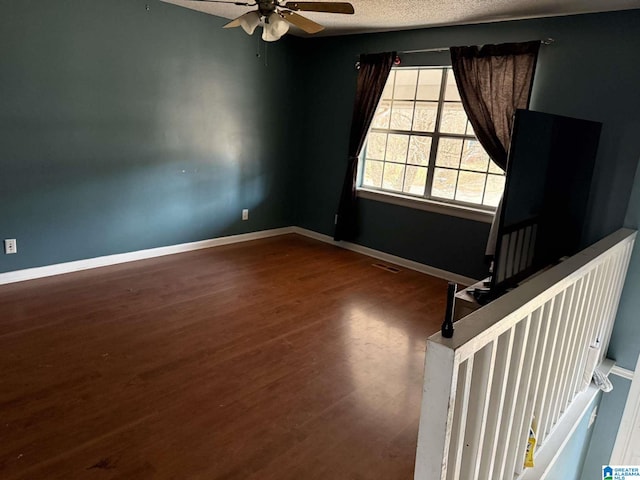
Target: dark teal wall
<point>123,129</point>
<point>622,142</point>
<point>625,340</point>
<point>587,73</point>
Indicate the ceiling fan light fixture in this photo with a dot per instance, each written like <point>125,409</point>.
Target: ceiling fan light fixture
<point>250,21</point>
<point>274,27</point>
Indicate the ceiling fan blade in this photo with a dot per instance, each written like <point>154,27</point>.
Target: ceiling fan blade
<point>301,22</point>
<point>327,7</point>
<point>242,4</point>
<point>233,23</point>
<point>249,22</point>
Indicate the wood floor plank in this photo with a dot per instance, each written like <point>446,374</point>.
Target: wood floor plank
<point>273,359</point>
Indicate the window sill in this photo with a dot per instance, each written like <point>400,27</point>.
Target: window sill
<point>443,208</point>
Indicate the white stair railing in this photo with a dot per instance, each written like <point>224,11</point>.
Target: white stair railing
<point>520,357</point>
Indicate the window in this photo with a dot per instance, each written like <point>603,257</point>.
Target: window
<point>421,143</point>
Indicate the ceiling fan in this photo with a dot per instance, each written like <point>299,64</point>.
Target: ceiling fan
<point>276,15</point>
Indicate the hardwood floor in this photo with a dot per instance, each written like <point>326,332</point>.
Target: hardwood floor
<point>282,358</point>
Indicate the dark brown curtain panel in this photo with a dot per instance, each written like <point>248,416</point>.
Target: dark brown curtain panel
<point>494,81</point>
<point>372,77</point>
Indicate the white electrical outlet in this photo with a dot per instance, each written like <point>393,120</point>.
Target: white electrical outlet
<point>245,214</point>
<point>10,246</point>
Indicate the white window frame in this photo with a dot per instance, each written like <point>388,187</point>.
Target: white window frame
<point>471,211</point>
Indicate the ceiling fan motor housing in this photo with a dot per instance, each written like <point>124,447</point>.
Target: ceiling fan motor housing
<point>267,7</point>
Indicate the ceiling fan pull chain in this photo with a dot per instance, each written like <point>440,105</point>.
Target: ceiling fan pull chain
<point>265,46</point>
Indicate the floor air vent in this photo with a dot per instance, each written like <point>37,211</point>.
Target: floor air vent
<point>388,268</point>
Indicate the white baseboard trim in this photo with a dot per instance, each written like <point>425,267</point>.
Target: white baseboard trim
<point>622,372</point>
<point>402,262</point>
<point>627,444</point>
<point>76,266</point>
<point>79,265</point>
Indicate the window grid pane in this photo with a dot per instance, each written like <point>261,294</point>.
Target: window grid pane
<point>454,118</point>
<point>421,111</point>
<point>451,92</point>
<point>393,177</point>
<point>470,187</point>
<point>372,175</point>
<point>382,115</point>
<point>415,180</point>
<point>402,115</point>
<point>444,183</point>
<point>397,146</point>
<point>419,150</point>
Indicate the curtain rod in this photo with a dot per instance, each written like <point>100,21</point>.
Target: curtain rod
<point>546,41</point>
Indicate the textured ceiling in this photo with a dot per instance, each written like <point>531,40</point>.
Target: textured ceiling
<point>383,15</point>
